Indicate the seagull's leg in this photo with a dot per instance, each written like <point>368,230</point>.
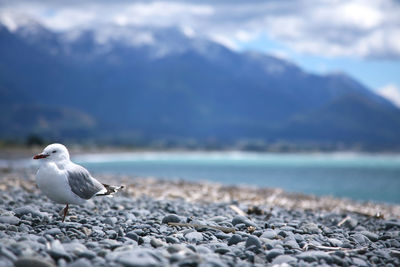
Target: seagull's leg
<point>65,212</point>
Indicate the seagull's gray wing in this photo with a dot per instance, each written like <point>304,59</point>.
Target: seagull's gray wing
<point>81,183</point>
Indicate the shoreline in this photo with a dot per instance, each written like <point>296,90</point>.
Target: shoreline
<point>213,192</point>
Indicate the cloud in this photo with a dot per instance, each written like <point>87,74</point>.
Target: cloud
<point>330,28</point>
<point>391,93</point>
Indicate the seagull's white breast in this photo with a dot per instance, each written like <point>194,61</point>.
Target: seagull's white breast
<point>54,184</point>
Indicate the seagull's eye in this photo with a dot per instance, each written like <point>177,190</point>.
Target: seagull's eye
<point>54,151</point>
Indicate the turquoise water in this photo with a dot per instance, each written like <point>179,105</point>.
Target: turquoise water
<point>356,176</point>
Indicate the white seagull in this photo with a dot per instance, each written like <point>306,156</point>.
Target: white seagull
<point>66,182</point>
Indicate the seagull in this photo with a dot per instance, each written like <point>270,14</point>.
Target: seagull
<point>65,182</point>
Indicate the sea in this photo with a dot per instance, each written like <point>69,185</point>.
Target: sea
<point>358,176</point>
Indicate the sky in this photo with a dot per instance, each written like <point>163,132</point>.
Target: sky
<point>357,37</point>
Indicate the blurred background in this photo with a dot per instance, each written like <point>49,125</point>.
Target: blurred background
<point>302,95</point>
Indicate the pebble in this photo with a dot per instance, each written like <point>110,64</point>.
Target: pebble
<point>273,253</point>
<point>53,231</point>
<point>269,233</point>
<point>33,262</point>
<point>311,256</point>
<point>371,236</point>
<point>350,223</point>
<point>242,220</point>
<point>253,241</point>
<point>282,259</point>
<point>110,221</point>
<point>171,218</point>
<point>139,257</point>
<point>194,237</point>
<point>156,243</point>
<point>9,220</point>
<point>310,228</point>
<point>124,231</point>
<point>28,210</point>
<point>235,238</point>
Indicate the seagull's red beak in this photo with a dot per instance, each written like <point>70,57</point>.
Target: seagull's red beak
<point>40,156</point>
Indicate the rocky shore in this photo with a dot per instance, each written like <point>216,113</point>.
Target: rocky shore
<point>164,223</point>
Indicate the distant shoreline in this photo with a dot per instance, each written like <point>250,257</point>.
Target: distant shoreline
<point>211,192</point>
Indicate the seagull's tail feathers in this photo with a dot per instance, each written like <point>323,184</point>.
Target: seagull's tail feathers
<point>109,190</point>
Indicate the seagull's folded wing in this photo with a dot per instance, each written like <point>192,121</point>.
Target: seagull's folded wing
<point>81,183</point>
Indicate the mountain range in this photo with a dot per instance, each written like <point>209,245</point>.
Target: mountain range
<point>169,89</point>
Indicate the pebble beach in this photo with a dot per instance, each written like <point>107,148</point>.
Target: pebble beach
<point>176,223</point>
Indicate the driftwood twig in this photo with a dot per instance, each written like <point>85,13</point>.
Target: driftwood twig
<point>237,210</point>
<point>333,249</point>
<point>194,225</point>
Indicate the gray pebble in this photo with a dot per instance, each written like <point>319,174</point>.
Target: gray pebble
<point>284,259</point>
<point>28,210</point>
<point>155,243</point>
<point>33,262</point>
<point>110,221</point>
<point>53,231</point>
<point>194,237</point>
<point>269,233</point>
<point>171,240</point>
<point>132,235</point>
<point>359,262</point>
<point>371,236</point>
<point>9,220</point>
<point>310,228</point>
<point>242,219</point>
<point>253,241</point>
<point>171,218</point>
<point>82,262</point>
<point>273,253</point>
<point>311,256</point>
<point>234,239</point>
<point>350,223</point>
<point>139,257</point>
<point>291,244</point>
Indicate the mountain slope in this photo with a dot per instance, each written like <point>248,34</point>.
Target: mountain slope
<point>178,88</point>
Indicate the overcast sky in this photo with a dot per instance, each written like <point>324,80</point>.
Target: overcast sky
<point>361,38</point>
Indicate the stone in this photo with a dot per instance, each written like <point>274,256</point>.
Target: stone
<point>155,243</point>
<point>194,237</point>
<point>291,244</point>
<point>282,259</point>
<point>110,221</point>
<point>253,241</point>
<point>9,220</point>
<point>273,253</point>
<point>171,218</point>
<point>350,223</point>
<point>359,262</point>
<point>57,251</point>
<point>360,239</point>
<point>235,238</point>
<point>33,262</point>
<point>172,240</point>
<point>82,262</point>
<point>132,235</point>
<point>175,248</point>
<point>242,219</point>
<point>311,256</point>
<point>53,231</point>
<point>139,257</point>
<point>371,236</point>
<point>28,210</point>
<point>269,233</point>
<point>310,228</point>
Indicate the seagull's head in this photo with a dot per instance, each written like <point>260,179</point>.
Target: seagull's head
<point>54,152</point>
